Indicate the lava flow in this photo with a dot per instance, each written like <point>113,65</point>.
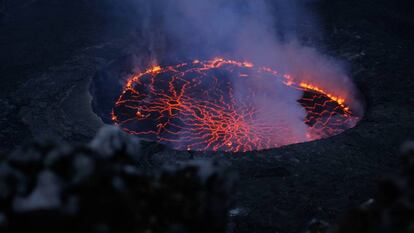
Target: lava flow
<point>194,106</point>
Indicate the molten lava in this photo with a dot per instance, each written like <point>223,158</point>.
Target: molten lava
<point>194,106</point>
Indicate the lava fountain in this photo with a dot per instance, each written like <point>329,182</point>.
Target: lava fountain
<point>193,106</point>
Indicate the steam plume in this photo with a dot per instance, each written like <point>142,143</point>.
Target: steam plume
<point>267,33</point>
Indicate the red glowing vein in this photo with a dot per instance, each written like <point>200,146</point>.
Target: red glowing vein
<point>165,101</point>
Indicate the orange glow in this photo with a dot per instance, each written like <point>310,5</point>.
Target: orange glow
<point>191,106</point>
<point>155,69</point>
<point>337,99</point>
<point>248,64</point>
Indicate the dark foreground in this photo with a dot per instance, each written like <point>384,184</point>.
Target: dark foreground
<point>116,184</point>
<point>50,50</point>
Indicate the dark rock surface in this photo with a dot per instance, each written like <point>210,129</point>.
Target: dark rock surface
<point>101,187</point>
<point>50,50</point>
<point>390,211</point>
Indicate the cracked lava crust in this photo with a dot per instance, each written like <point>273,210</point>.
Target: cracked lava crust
<point>194,106</point>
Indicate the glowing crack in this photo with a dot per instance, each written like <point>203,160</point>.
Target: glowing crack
<point>193,106</point>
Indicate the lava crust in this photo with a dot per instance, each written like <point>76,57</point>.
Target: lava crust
<point>194,106</point>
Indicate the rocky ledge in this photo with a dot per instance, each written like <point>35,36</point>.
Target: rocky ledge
<point>106,186</point>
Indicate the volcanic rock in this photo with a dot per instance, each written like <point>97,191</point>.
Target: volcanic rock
<point>391,211</point>
<point>50,187</point>
<point>51,50</point>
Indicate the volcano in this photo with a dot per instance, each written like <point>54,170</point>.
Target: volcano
<point>195,106</point>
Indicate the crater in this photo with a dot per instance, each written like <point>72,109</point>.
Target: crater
<point>223,105</point>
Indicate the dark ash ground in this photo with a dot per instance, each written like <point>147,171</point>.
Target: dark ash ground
<point>50,50</point>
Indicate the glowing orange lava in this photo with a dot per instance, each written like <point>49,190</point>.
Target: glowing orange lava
<point>193,106</point>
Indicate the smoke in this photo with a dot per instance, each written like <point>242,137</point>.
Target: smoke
<point>267,33</point>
